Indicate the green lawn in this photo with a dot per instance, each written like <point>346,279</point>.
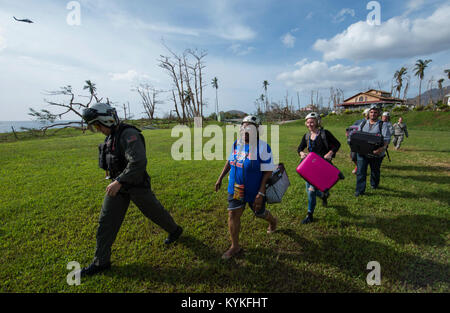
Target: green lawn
<point>52,192</point>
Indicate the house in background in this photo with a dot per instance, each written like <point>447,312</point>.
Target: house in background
<point>309,108</point>
<point>365,99</point>
<point>447,99</point>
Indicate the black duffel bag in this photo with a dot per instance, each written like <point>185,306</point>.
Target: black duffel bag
<point>365,143</point>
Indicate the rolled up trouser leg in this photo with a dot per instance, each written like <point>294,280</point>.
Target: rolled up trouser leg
<point>111,218</point>
<point>149,205</point>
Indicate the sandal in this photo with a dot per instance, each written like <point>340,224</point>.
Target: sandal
<point>228,255</point>
<point>270,229</point>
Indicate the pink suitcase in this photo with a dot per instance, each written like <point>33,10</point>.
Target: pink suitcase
<point>319,172</point>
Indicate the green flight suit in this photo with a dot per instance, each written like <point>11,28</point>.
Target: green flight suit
<point>136,187</point>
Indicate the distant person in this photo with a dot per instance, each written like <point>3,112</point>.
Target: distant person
<point>386,118</point>
<point>375,126</point>
<point>250,165</point>
<point>322,142</point>
<point>123,156</point>
<point>400,131</point>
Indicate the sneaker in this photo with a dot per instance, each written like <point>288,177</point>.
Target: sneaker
<point>272,228</point>
<point>308,219</point>
<point>325,199</point>
<point>357,194</point>
<point>355,170</point>
<point>94,269</point>
<point>174,236</point>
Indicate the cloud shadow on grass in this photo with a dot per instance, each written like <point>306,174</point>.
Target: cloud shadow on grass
<point>351,256</point>
<point>265,276</point>
<point>415,229</point>
<point>424,168</point>
<point>443,179</point>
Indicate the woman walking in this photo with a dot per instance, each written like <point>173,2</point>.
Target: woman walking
<point>250,165</point>
<point>323,143</point>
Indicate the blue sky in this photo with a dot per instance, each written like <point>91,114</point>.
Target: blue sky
<point>298,46</point>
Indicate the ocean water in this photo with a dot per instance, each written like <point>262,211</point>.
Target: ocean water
<point>5,126</point>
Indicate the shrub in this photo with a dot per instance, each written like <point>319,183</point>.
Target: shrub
<point>400,109</point>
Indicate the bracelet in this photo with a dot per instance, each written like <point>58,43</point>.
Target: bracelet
<point>260,193</point>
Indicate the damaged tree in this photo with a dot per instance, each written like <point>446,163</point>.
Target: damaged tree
<point>68,106</point>
<point>187,80</point>
<point>149,98</point>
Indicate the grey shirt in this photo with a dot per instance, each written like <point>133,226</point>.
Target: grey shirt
<point>400,129</point>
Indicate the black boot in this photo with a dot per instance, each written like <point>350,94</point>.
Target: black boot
<point>325,199</point>
<point>94,269</point>
<point>174,236</point>
<point>308,219</point>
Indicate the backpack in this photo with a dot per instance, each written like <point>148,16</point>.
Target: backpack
<point>324,139</point>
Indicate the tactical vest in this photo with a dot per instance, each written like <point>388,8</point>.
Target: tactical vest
<point>111,159</point>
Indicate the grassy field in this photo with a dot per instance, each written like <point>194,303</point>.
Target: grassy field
<point>52,192</point>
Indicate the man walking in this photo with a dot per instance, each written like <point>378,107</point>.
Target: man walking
<point>122,156</point>
<point>400,131</point>
<point>375,126</point>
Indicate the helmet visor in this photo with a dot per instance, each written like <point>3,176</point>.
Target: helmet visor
<point>90,115</point>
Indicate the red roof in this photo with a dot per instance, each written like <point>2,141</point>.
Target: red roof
<point>369,102</point>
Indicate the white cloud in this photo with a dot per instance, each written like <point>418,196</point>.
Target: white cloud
<point>317,74</point>
<point>396,38</point>
<point>227,20</point>
<point>340,17</point>
<point>414,5</point>
<point>234,32</point>
<point>2,40</point>
<point>288,40</point>
<point>123,20</point>
<point>131,75</point>
<point>238,49</point>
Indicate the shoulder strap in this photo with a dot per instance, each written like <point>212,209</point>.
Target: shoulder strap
<point>324,138</point>
<point>307,138</point>
<point>363,123</point>
<point>381,127</point>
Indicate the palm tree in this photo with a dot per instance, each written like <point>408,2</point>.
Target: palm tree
<point>420,72</point>
<point>214,83</point>
<point>399,77</point>
<point>265,84</point>
<point>448,73</point>
<point>440,81</point>
<point>92,89</point>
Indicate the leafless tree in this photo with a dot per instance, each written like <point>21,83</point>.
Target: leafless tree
<point>187,79</point>
<point>430,87</point>
<point>405,90</point>
<point>149,96</point>
<point>126,111</point>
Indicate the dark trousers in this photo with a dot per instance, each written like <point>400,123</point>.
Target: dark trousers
<point>112,215</point>
<point>362,163</point>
